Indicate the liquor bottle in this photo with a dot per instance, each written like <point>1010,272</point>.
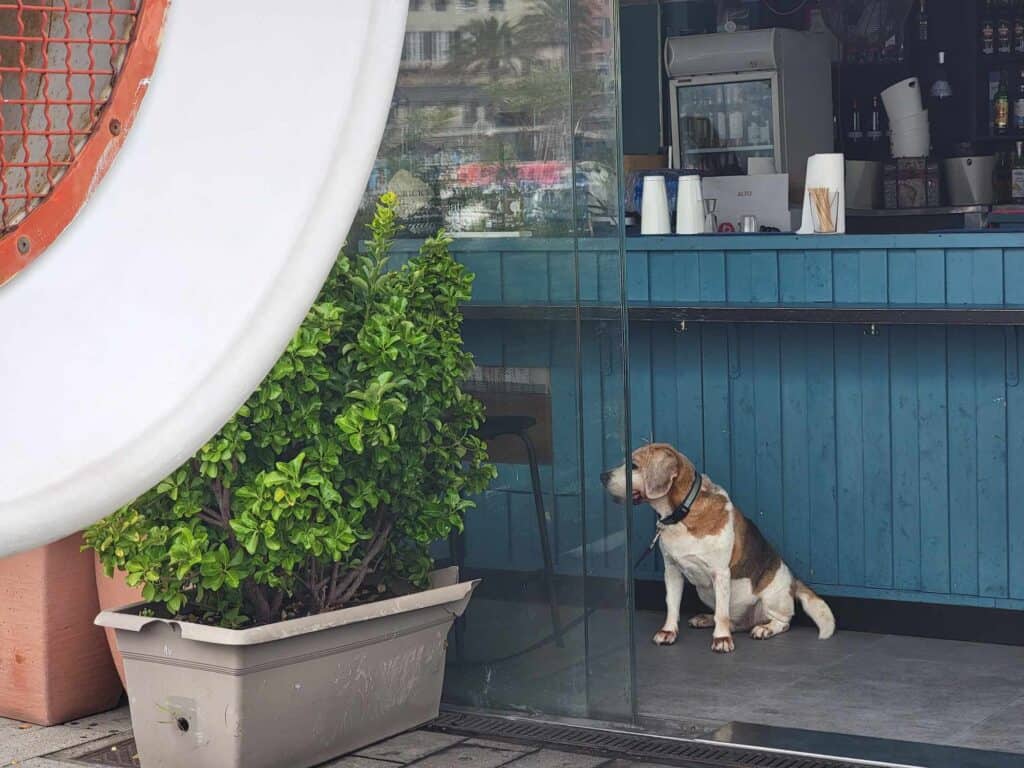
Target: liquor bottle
<point>1018,27</point>
<point>721,122</point>
<point>1001,107</point>
<point>1018,104</point>
<point>988,31</point>
<point>754,127</point>
<point>1004,29</point>
<point>941,88</point>
<point>875,132</point>
<point>856,131</point>
<point>922,24</point>
<point>1017,175</point>
<point>736,127</point>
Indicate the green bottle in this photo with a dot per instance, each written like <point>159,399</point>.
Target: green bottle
<point>1001,107</point>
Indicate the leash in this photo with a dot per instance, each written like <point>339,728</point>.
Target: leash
<point>678,515</point>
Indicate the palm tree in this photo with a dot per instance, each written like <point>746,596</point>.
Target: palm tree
<point>487,47</point>
<point>547,25</point>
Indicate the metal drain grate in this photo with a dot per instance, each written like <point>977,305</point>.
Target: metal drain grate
<point>689,754</point>
<point>123,753</point>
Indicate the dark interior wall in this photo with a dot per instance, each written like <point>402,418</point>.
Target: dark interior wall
<point>642,71</point>
<point>641,74</point>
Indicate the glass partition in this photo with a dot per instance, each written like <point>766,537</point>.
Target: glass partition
<point>504,132</point>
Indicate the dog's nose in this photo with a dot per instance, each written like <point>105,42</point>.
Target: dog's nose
<point>604,477</point>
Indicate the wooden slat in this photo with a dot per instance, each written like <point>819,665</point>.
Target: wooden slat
<point>963,468</point>
<point>877,459</point>
<point>850,456</point>
<point>991,434</point>
<point>906,458</point>
<point>933,458</point>
<point>768,431</point>
<point>1015,470</point>
<point>796,463</point>
<point>822,440</point>
<point>646,389</point>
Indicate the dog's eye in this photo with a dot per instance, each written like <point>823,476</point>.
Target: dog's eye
<point>635,466</point>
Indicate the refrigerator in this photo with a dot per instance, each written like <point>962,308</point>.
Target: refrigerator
<point>764,95</point>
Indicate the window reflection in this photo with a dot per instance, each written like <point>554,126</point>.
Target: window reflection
<point>480,136</point>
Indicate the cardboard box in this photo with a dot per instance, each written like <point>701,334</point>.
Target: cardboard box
<point>632,163</point>
<point>912,177</point>
<point>765,196</point>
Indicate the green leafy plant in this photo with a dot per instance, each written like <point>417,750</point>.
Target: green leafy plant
<point>328,486</point>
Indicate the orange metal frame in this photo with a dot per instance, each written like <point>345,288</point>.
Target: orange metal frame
<point>42,225</point>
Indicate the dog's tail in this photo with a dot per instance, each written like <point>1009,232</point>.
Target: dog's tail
<point>816,608</point>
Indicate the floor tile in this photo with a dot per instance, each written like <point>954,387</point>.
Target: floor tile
<point>548,758</point>
<point>1003,731</point>
<point>355,761</point>
<point>409,747</point>
<point>469,756</point>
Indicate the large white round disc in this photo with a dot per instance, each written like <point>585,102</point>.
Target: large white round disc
<point>139,332</point>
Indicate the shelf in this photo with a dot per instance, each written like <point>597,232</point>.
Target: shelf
<point>990,139</point>
<point>819,314</point>
<point>725,150</point>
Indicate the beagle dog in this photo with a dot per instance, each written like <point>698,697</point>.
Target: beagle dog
<point>706,540</point>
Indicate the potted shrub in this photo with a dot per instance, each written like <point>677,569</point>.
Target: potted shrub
<point>292,614</point>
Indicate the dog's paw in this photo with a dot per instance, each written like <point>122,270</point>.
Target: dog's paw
<point>702,621</point>
<point>665,637</point>
<point>762,632</point>
<point>723,644</point>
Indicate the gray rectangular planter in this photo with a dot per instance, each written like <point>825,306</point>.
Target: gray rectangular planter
<point>295,693</point>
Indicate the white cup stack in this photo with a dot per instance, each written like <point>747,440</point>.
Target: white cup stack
<point>908,119</point>
<point>654,218</point>
<point>690,206</point>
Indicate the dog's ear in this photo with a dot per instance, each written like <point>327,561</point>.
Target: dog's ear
<point>659,473</point>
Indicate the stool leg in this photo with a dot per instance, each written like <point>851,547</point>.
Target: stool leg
<point>545,541</point>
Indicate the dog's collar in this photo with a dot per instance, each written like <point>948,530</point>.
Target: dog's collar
<point>679,513</point>
<point>677,516</point>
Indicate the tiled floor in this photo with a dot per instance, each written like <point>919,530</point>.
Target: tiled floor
<point>902,688</point>
<point>26,745</point>
<point>884,686</point>
<point>34,747</point>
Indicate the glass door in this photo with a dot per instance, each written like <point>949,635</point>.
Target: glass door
<point>508,138</point>
<point>722,122</point>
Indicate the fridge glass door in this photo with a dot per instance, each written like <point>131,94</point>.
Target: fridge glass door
<point>724,122</point>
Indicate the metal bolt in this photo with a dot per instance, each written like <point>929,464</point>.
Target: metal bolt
<point>24,245</point>
<point>115,126</point>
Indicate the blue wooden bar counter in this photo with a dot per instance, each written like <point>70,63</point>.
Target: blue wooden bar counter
<point>884,461</point>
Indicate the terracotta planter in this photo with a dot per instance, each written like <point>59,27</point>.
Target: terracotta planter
<point>295,693</point>
<point>114,593</point>
<point>54,663</point>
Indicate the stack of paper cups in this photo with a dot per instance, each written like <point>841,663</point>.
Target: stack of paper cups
<point>911,135</point>
<point>908,119</point>
<point>690,206</point>
<point>654,218</point>
<point>829,172</point>
<point>902,99</point>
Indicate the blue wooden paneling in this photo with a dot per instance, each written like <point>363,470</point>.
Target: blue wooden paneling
<point>822,439</point>
<point>1015,472</point>
<point>990,378</point>
<point>905,416</point>
<point>883,465</point>
<point>933,458</point>
<point>796,456</point>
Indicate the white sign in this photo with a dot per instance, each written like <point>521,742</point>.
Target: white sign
<point>765,196</point>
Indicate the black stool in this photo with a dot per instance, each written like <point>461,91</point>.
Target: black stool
<point>501,426</point>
